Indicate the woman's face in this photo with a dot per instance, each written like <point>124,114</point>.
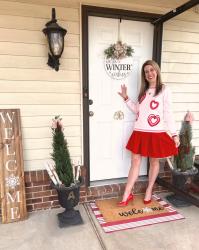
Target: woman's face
<point>150,75</point>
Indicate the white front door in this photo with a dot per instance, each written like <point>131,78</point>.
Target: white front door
<point>108,136</point>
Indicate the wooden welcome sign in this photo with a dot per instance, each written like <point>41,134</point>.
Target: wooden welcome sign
<point>12,189</point>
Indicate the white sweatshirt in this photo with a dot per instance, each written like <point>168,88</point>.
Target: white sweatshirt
<point>154,114</point>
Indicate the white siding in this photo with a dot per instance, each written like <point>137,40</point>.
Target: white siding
<point>41,93</point>
<point>180,66</point>
<point>29,84</point>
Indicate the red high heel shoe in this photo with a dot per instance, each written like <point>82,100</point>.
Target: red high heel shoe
<point>125,203</point>
<point>147,202</point>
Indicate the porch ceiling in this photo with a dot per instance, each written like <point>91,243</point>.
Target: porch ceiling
<point>170,4</point>
<point>165,4</point>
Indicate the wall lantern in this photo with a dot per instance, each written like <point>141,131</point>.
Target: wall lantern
<point>55,36</point>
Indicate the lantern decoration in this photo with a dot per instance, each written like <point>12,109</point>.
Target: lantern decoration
<point>55,36</point>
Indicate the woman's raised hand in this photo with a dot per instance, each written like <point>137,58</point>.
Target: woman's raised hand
<point>177,141</point>
<point>123,92</point>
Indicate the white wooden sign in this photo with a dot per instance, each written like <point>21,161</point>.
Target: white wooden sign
<point>118,69</point>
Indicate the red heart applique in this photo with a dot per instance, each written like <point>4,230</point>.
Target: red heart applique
<point>154,104</point>
<point>153,120</point>
<point>142,98</point>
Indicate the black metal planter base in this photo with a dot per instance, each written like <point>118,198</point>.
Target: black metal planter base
<point>69,218</point>
<point>185,196</point>
<point>178,201</point>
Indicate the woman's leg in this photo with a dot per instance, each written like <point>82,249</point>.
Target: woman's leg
<point>133,175</point>
<point>153,173</point>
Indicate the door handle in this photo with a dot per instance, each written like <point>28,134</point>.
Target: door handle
<point>91,113</point>
<point>118,115</point>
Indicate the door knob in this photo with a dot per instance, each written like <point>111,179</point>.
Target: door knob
<point>90,102</point>
<point>91,113</point>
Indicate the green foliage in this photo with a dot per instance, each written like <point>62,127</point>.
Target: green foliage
<point>109,52</point>
<point>185,158</point>
<point>129,51</point>
<point>61,155</point>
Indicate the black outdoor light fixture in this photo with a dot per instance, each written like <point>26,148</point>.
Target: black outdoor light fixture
<point>55,35</point>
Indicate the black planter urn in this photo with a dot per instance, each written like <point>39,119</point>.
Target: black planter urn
<point>181,180</point>
<point>68,198</point>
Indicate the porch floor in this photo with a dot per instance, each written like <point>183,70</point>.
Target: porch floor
<point>41,231</point>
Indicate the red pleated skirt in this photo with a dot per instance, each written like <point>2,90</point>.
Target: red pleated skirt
<point>155,145</point>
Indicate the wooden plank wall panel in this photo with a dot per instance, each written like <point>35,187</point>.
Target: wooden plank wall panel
<point>180,57</point>
<point>180,47</point>
<point>180,25</point>
<point>174,67</point>
<point>33,143</point>
<point>34,110</point>
<point>28,83</point>
<point>180,66</point>
<point>43,132</point>
<point>39,98</point>
<point>38,75</point>
<point>33,37</point>
<point>152,3</point>
<point>38,154</point>
<point>60,3</point>
<point>181,36</point>
<point>24,62</point>
<point>13,201</point>
<point>191,17</point>
<point>35,24</point>
<point>28,122</point>
<point>40,87</point>
<point>34,50</point>
<point>37,11</point>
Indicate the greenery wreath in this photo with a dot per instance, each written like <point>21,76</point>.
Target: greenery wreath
<point>118,50</point>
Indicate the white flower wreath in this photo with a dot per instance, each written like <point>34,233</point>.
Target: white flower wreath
<point>118,50</point>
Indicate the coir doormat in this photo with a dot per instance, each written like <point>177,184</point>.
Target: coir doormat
<point>113,218</point>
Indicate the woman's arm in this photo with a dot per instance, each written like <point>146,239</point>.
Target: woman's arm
<point>131,105</point>
<point>168,115</point>
<point>123,92</point>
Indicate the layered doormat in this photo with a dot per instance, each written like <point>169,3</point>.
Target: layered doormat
<point>113,218</point>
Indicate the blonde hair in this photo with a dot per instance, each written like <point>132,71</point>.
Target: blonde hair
<point>144,83</point>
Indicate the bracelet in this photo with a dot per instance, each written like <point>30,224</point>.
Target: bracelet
<point>126,98</point>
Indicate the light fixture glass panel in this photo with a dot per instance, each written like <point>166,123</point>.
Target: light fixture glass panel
<point>56,43</point>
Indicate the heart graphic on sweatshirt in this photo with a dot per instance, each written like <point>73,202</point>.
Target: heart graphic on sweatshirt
<point>153,120</point>
<point>142,98</point>
<point>154,104</point>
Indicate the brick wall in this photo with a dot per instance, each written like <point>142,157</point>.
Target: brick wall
<point>40,195</point>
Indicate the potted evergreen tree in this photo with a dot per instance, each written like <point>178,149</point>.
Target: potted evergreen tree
<point>68,186</point>
<point>184,170</point>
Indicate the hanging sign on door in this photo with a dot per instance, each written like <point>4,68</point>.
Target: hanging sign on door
<point>118,69</point>
<point>118,60</point>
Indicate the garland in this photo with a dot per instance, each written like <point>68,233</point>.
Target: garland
<point>118,51</point>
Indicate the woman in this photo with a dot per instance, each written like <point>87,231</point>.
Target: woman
<point>149,138</point>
